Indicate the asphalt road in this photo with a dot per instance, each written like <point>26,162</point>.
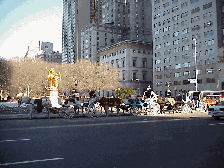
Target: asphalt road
<point>113,142</point>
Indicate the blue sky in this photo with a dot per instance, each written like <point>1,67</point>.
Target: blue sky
<point>26,21</point>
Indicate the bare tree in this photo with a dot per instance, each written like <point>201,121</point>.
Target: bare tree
<point>30,76</point>
<point>86,76</point>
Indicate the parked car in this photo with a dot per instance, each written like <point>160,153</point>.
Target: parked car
<point>216,111</point>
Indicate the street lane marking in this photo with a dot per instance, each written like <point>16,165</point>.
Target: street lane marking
<point>87,125</point>
<point>212,124</point>
<point>32,161</point>
<point>220,123</point>
<point>12,140</point>
<point>9,140</point>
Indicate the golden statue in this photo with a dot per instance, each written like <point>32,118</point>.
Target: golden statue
<point>53,78</point>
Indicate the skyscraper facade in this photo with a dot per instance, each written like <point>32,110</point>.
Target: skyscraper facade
<point>121,20</point>
<point>177,26</point>
<point>77,15</point>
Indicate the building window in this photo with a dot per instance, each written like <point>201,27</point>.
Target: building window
<point>158,46</point>
<point>134,75</point>
<point>167,67</point>
<point>207,15</point>
<point>195,19</point>
<point>177,82</point>
<point>210,71</point>
<point>209,33</point>
<point>209,52</point>
<point>197,36</point>
<point>176,58</point>
<point>186,82</point>
<point>183,4</point>
<point>174,1</point>
<point>157,32</point>
<point>158,54</point>
<point>166,21</point>
<point>144,63</point>
<point>167,75</point>
<point>144,76</point>
<point>158,69</point>
<point>134,63</point>
<point>175,17</point>
<point>185,31</point>
<point>167,59</point>
<point>174,9</point>
<point>123,75</point>
<point>167,52</point>
<point>166,12</point>
<point>185,48</point>
<point>159,84</point>
<point>186,64</point>
<point>206,6</point>
<point>197,27</point>
<point>210,42</point>
<point>195,10</point>
<point>193,1</point>
<point>210,80</point>
<point>186,73</point>
<point>159,76</point>
<point>157,16</point>
<point>176,50</point>
<point>167,44</point>
<point>184,23</point>
<point>157,24</point>
<point>165,29</point>
<point>175,34</point>
<point>157,9</point>
<point>175,42</point>
<point>177,66</point>
<point>166,5</point>
<point>167,36</point>
<point>185,39</point>
<point>157,39</point>
<point>175,26</point>
<point>222,9</point>
<point>184,14</point>
<point>156,2</point>
<point>197,54</point>
<point>159,61</point>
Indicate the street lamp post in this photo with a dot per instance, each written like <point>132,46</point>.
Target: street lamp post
<point>195,59</point>
<point>218,73</point>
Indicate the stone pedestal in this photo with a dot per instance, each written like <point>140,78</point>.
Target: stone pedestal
<point>52,95</point>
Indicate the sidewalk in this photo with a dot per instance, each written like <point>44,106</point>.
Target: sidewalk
<point>36,115</point>
<point>195,114</point>
<point>11,113</point>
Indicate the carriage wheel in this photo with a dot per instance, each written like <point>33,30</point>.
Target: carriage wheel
<point>186,108</point>
<point>134,110</point>
<point>62,112</point>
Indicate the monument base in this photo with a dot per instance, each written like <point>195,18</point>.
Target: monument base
<point>53,96</point>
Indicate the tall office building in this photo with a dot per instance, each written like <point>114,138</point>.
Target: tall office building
<point>176,24</point>
<point>121,20</point>
<point>76,15</point>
